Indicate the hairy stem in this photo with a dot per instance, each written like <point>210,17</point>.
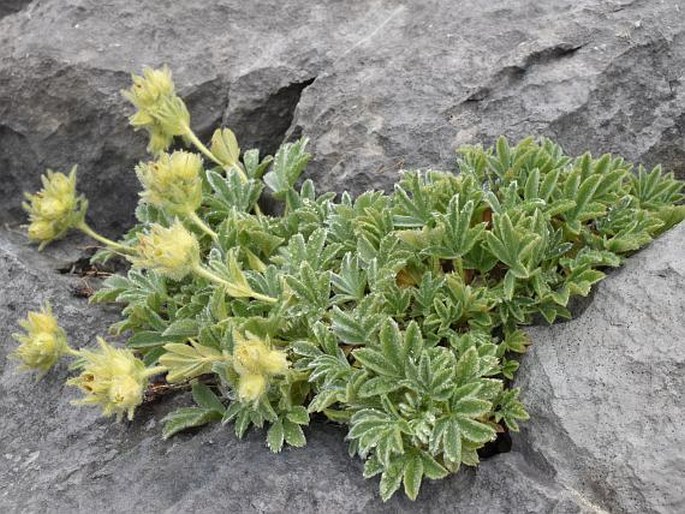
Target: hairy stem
<point>192,215</point>
<point>204,272</point>
<point>113,245</point>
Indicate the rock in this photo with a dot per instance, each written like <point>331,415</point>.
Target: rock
<point>11,6</point>
<point>58,456</point>
<point>599,76</point>
<point>605,391</point>
<point>63,64</point>
<point>377,85</point>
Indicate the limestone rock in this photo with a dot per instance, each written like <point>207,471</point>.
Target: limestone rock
<point>605,391</point>
<point>377,85</point>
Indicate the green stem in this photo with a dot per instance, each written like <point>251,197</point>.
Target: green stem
<point>208,153</point>
<point>72,352</point>
<point>83,227</point>
<point>192,215</point>
<point>154,371</point>
<point>204,272</point>
<point>198,144</point>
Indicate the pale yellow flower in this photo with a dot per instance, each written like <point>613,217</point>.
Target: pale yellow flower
<point>251,387</point>
<point>160,111</point>
<point>44,342</point>
<point>173,182</point>
<point>173,252</point>
<point>54,209</point>
<point>111,378</point>
<point>255,362</point>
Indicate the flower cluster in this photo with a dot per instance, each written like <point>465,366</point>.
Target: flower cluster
<point>54,209</point>
<point>172,182</point>
<point>160,111</point>
<point>255,362</point>
<point>174,252</point>
<point>111,378</point>
<point>44,342</point>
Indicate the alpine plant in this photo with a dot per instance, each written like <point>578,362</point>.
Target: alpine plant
<point>397,315</point>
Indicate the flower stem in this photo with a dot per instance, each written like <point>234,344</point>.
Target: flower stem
<point>72,352</point>
<point>192,215</point>
<point>208,153</point>
<point>156,370</point>
<point>200,146</point>
<point>204,272</point>
<point>83,227</point>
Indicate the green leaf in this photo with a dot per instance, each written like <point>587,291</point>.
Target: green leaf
<point>275,437</point>
<point>188,361</point>
<point>377,362</point>
<point>391,480</point>
<point>378,386</point>
<point>288,164</point>
<point>188,417</point>
<point>148,339</point>
<point>412,476</point>
<point>293,433</point>
<point>206,398</point>
<point>468,365</point>
<point>299,415</point>
<point>432,468</point>
<point>452,441</point>
<point>182,328</point>
<point>475,431</point>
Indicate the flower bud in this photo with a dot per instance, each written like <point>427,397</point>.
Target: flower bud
<point>254,356</point>
<point>54,209</point>
<point>255,362</point>
<point>111,378</point>
<point>44,342</point>
<point>173,182</point>
<point>160,111</point>
<point>150,88</point>
<point>173,251</point>
<point>251,387</point>
<point>225,147</point>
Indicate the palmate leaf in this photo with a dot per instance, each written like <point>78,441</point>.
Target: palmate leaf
<point>209,409</point>
<point>454,237</point>
<point>413,205</point>
<point>655,189</point>
<point>350,283</point>
<point>186,361</point>
<point>357,327</point>
<point>512,246</point>
<point>287,166</point>
<point>230,192</point>
<point>254,168</point>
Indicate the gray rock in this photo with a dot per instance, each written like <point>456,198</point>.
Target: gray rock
<point>8,7</point>
<point>605,391</point>
<point>593,75</point>
<point>377,85</point>
<point>63,64</point>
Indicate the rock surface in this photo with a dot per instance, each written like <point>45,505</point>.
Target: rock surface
<point>606,391</point>
<point>377,85</point>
